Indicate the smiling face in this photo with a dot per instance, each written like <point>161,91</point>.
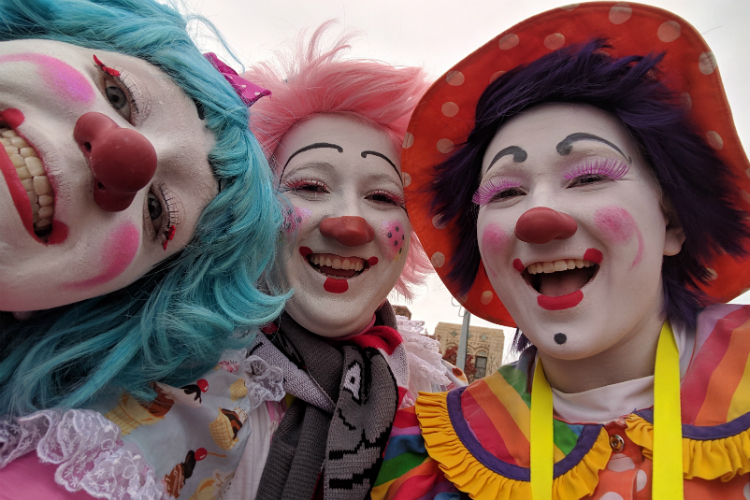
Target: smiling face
<point>72,226</point>
<point>343,179</point>
<point>571,230</point>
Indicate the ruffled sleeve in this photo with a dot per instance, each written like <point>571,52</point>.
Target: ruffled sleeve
<point>86,450</point>
<point>426,368</point>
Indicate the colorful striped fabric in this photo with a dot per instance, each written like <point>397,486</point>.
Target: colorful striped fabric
<point>408,472</point>
<point>490,420</point>
<point>716,389</point>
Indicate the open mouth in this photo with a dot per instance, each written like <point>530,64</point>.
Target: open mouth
<point>30,172</point>
<point>336,266</point>
<point>562,277</point>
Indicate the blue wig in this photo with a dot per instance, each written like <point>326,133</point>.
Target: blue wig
<point>696,182</point>
<point>172,324</point>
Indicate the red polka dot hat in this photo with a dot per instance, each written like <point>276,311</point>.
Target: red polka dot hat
<point>445,116</point>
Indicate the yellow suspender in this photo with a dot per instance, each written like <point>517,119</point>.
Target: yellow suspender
<point>667,458</point>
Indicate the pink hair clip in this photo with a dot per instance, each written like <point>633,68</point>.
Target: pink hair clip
<point>247,90</point>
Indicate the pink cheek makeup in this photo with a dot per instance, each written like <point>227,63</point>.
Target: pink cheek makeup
<point>119,251</point>
<point>394,234</point>
<point>62,78</point>
<point>295,218</point>
<point>494,240</point>
<point>619,226</point>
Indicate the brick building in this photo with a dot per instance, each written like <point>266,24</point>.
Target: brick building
<point>484,348</point>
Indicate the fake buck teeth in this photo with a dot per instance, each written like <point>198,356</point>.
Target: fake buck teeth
<point>335,262</point>
<point>558,265</point>
<point>31,172</point>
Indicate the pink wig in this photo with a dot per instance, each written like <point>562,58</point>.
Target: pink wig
<point>310,81</point>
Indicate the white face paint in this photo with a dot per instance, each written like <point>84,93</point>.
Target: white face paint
<point>45,89</point>
<point>606,228</point>
<point>343,179</point>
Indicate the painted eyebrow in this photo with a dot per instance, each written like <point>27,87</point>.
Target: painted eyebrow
<point>519,155</point>
<point>381,155</point>
<point>317,145</point>
<point>565,146</point>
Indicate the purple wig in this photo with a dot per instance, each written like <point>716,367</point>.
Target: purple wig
<point>696,182</point>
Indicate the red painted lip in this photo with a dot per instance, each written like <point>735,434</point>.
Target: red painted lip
<point>518,265</point>
<point>335,285</point>
<point>13,118</point>
<point>561,302</point>
<point>593,255</point>
<point>304,251</point>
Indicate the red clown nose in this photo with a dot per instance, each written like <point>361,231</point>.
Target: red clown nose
<point>123,161</point>
<point>542,224</point>
<point>350,231</point>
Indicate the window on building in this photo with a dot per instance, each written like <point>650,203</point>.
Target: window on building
<point>480,363</point>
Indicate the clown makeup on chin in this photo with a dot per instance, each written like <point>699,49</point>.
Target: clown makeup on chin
<point>71,228</point>
<point>343,179</point>
<point>571,231</point>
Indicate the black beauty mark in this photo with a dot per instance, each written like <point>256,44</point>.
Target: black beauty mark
<point>561,338</point>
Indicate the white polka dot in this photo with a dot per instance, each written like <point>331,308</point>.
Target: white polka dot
<point>444,145</point>
<point>437,259</point>
<point>486,297</point>
<point>669,31</point>
<point>641,478</point>
<point>620,13</point>
<point>455,78</point>
<point>436,222</point>
<point>715,140</point>
<point>707,63</point>
<point>570,6</point>
<point>508,41</point>
<point>449,109</point>
<point>611,495</point>
<point>746,491</point>
<point>554,41</point>
<point>711,274</point>
<point>407,179</point>
<point>495,75</point>
<point>620,462</point>
<point>687,101</point>
<point>408,140</point>
<point>745,196</point>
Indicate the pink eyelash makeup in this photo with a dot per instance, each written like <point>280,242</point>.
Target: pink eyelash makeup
<point>396,199</point>
<point>608,167</point>
<point>488,190</point>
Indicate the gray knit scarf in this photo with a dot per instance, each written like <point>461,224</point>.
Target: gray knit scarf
<point>339,423</point>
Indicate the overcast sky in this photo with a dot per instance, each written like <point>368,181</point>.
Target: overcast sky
<point>437,34</point>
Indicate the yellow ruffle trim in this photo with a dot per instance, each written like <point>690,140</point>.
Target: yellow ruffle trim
<point>472,477</point>
<point>711,459</point>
